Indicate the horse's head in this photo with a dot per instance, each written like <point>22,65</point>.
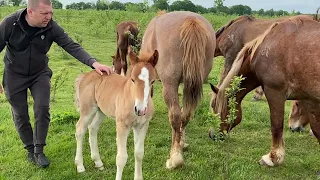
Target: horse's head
<point>116,62</point>
<point>143,75</point>
<point>219,105</point>
<point>299,116</point>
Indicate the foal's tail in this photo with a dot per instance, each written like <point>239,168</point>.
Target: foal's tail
<point>194,36</point>
<point>76,87</point>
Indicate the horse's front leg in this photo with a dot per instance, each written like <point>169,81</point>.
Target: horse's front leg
<point>122,155</point>
<point>93,139</point>
<point>276,103</point>
<point>140,131</point>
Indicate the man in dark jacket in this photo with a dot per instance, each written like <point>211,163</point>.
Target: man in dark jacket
<point>28,35</point>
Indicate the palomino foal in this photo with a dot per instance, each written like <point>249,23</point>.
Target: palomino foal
<point>127,99</point>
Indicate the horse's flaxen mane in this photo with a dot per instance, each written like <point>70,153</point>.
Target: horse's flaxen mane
<point>249,49</point>
<point>246,17</point>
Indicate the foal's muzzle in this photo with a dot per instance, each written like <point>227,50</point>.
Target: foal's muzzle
<point>140,112</point>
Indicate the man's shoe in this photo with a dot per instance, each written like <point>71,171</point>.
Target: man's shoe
<point>30,157</point>
<point>41,160</point>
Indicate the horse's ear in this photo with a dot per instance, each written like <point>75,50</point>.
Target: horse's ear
<point>154,59</point>
<point>133,57</point>
<point>113,57</point>
<point>214,88</point>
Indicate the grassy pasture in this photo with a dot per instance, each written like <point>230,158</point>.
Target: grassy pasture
<point>204,159</point>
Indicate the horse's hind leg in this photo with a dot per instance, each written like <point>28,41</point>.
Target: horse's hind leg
<point>122,155</point>
<point>86,115</point>
<point>170,94</point>
<point>276,103</point>
<point>186,115</point>
<point>140,132</point>
<point>93,140</point>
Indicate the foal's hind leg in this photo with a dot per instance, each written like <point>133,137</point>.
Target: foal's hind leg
<point>86,115</point>
<point>93,139</point>
<point>122,155</point>
<point>140,131</point>
<point>170,94</point>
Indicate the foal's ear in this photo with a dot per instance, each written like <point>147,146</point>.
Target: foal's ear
<point>154,58</point>
<point>214,88</point>
<point>133,57</point>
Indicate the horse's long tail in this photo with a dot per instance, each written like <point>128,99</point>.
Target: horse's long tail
<point>194,36</point>
<point>249,49</point>
<point>77,87</point>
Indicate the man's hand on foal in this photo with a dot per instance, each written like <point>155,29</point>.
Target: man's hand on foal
<point>100,68</point>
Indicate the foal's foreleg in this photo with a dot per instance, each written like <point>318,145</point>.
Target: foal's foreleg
<point>276,103</point>
<point>93,139</point>
<point>86,116</point>
<point>140,131</point>
<point>122,155</point>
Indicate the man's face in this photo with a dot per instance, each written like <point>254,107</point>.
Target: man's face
<point>41,15</point>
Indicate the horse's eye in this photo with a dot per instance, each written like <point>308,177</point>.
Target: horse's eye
<point>132,80</point>
<point>152,82</point>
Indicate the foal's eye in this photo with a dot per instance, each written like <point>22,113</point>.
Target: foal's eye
<point>132,80</point>
<point>152,82</point>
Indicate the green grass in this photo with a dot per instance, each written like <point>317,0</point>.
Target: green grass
<point>203,160</point>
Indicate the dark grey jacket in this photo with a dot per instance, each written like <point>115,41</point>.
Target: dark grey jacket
<point>26,56</point>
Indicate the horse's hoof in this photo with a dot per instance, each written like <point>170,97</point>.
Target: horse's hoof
<point>175,161</point>
<point>266,161</point>
<point>214,137</point>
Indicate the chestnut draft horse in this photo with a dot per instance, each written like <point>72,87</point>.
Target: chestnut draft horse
<point>127,35</point>
<point>126,99</point>
<point>285,61</point>
<point>186,43</point>
<point>234,35</point>
<point>299,116</point>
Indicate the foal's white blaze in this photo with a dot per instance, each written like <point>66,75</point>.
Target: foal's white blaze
<point>144,76</point>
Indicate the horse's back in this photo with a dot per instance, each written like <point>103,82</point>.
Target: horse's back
<point>163,33</point>
<point>290,54</point>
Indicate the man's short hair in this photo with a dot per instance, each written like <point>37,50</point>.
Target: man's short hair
<point>35,3</point>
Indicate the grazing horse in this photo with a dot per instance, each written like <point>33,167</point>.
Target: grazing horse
<point>299,116</point>
<point>284,60</point>
<point>127,35</point>
<point>127,100</point>
<point>234,35</point>
<point>185,42</point>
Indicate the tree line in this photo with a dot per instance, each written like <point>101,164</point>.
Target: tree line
<point>144,6</point>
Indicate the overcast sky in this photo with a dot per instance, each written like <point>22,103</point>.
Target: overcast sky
<point>304,6</point>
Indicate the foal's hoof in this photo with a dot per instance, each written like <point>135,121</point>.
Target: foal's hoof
<point>175,161</point>
<point>101,168</point>
<point>81,169</point>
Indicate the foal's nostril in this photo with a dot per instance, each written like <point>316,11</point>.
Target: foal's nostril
<point>135,109</point>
